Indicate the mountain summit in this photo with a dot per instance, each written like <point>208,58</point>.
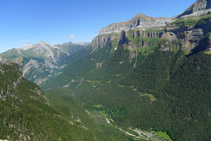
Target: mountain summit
<point>141,21</point>
<point>200,7</point>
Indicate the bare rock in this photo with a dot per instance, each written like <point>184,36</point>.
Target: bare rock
<point>140,21</point>
<point>200,7</point>
<point>204,45</point>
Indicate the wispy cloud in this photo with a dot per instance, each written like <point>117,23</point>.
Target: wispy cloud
<point>72,37</point>
<point>25,41</point>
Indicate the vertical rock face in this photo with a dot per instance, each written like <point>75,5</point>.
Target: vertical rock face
<point>208,43</point>
<point>204,45</point>
<point>123,40</point>
<point>189,36</point>
<point>141,33</point>
<point>102,40</point>
<point>200,7</point>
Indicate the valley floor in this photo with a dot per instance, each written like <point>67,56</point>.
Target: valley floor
<point>102,126</point>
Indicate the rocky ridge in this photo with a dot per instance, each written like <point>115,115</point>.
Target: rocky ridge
<point>187,32</point>
<point>139,21</point>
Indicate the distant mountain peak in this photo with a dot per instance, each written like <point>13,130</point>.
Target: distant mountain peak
<point>43,43</point>
<point>26,47</point>
<point>40,45</point>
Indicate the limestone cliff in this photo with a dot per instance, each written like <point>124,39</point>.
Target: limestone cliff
<point>101,40</point>
<point>185,31</point>
<point>204,44</point>
<point>139,21</point>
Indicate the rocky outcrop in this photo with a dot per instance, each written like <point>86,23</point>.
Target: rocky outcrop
<point>190,36</point>
<point>185,33</point>
<point>124,40</point>
<point>207,43</point>
<point>140,33</point>
<point>101,40</point>
<point>175,37</point>
<point>204,45</point>
<point>140,21</point>
<point>200,7</point>
<point>143,26</point>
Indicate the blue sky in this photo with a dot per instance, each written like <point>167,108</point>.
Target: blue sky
<point>54,21</point>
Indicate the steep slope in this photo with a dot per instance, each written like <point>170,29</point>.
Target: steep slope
<point>164,92</point>
<point>42,61</point>
<point>155,79</point>
<point>96,80</point>
<point>200,7</point>
<point>184,31</point>
<point>26,113</point>
<point>188,94</point>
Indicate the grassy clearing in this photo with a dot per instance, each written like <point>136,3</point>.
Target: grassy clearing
<point>155,30</point>
<point>207,53</point>
<point>191,20</point>
<point>163,135</point>
<point>152,97</point>
<point>97,106</point>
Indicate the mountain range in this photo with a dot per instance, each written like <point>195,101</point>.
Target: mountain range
<point>42,61</point>
<point>143,79</point>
